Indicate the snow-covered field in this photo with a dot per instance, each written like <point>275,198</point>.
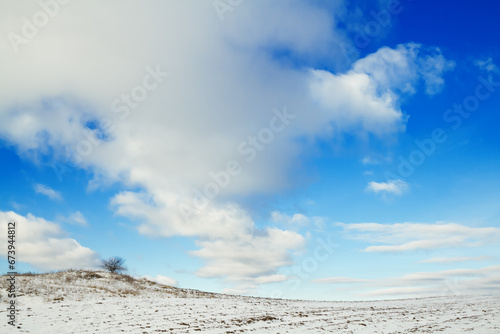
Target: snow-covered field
<point>97,302</point>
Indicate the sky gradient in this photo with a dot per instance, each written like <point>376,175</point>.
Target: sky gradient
<point>334,150</point>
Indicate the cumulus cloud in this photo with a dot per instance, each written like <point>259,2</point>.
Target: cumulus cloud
<point>230,243</point>
<point>170,137</point>
<point>249,257</point>
<point>45,246</point>
<point>47,191</point>
<point>119,115</point>
<point>396,187</point>
<point>403,237</point>
<point>367,96</point>
<point>355,103</point>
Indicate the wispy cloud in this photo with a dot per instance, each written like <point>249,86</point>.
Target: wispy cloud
<point>76,218</point>
<point>369,161</point>
<point>418,236</point>
<point>341,280</point>
<point>47,191</point>
<point>484,280</point>
<point>487,65</point>
<point>455,259</point>
<point>297,219</point>
<point>395,187</point>
<point>419,245</point>
<point>16,205</point>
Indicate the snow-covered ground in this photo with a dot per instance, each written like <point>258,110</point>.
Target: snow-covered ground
<point>97,302</point>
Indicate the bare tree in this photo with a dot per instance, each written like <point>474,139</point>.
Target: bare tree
<point>114,265</point>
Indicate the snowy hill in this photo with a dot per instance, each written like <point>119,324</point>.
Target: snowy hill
<point>99,302</point>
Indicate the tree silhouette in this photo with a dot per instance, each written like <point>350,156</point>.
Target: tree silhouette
<point>114,264</point>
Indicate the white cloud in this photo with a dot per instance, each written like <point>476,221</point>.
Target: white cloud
<point>487,65</point>
<point>248,285</point>
<point>419,244</point>
<point>162,280</point>
<point>454,259</point>
<point>16,205</point>
<point>395,187</point>
<point>481,281</point>
<point>230,243</point>
<point>171,138</point>
<point>76,218</point>
<point>369,161</point>
<point>431,69</point>
<point>403,237</point>
<point>340,280</point>
<point>240,290</point>
<point>376,159</point>
<point>367,96</point>
<point>45,246</point>
<point>354,103</point>
<point>47,191</point>
<point>484,280</point>
<point>167,215</point>
<point>224,81</point>
<point>297,219</point>
<point>251,259</point>
<point>271,279</point>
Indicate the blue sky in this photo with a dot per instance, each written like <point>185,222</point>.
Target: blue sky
<point>338,150</point>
